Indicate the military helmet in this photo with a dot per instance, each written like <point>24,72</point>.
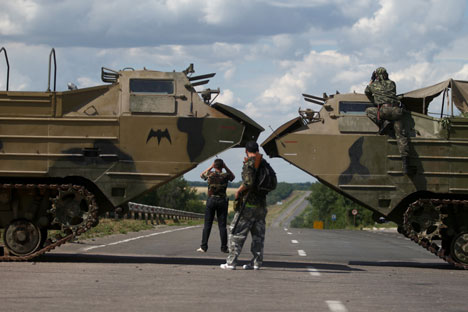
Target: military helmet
<point>381,71</point>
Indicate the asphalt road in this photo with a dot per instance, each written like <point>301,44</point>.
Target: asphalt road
<point>304,270</point>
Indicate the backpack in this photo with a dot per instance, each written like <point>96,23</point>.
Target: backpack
<point>266,178</point>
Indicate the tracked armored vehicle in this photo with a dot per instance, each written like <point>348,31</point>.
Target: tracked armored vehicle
<point>68,157</point>
<point>340,146</point>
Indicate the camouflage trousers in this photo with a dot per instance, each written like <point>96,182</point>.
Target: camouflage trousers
<point>392,114</point>
<point>253,221</point>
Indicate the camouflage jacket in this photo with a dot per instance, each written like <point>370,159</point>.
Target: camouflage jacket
<point>382,92</point>
<point>217,182</point>
<point>248,180</point>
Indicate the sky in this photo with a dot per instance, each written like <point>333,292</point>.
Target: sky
<point>266,53</point>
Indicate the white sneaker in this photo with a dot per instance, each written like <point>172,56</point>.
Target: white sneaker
<point>201,250</point>
<point>250,267</point>
<point>226,266</point>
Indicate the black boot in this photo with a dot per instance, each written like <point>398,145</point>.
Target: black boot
<point>385,127</point>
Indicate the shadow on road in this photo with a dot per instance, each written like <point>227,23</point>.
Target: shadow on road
<point>404,264</point>
<point>94,258</point>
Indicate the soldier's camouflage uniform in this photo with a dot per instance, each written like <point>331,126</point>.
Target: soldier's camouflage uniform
<point>382,92</point>
<point>252,219</point>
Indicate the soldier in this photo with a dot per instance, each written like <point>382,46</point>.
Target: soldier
<point>381,91</point>
<point>217,202</point>
<point>252,217</point>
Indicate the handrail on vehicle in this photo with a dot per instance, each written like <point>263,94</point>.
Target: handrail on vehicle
<point>52,53</point>
<point>8,67</point>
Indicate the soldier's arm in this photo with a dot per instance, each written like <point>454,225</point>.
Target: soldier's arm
<point>204,174</point>
<point>248,175</point>
<point>231,175</point>
<point>368,93</point>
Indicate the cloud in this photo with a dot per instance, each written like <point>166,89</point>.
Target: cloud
<point>401,28</point>
<point>462,74</point>
<point>227,97</point>
<point>121,23</point>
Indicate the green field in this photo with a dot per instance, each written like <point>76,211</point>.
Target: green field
<point>203,189</point>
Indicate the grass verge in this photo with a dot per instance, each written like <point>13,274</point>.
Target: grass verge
<point>123,226</point>
<point>275,210</point>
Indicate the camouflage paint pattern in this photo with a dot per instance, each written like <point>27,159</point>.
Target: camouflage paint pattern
<point>344,150</point>
<point>117,141</point>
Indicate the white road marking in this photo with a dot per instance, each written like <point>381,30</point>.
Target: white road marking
<point>290,154</point>
<point>336,306</point>
<point>301,253</point>
<point>289,233</point>
<point>138,237</point>
<point>225,141</point>
<point>294,241</point>
<point>286,229</point>
<point>313,271</point>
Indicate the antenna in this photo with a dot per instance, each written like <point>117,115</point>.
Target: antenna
<point>277,136</point>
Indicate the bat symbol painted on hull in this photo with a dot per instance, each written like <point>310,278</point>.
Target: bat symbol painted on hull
<point>159,134</point>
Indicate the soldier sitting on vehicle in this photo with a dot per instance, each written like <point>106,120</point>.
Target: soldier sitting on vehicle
<point>387,111</point>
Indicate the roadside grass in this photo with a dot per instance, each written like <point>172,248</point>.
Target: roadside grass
<point>275,210</point>
<point>203,189</point>
<point>110,226</point>
<point>123,226</point>
<point>388,225</point>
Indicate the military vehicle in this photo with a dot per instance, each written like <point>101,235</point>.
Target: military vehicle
<point>340,146</point>
<point>68,157</point>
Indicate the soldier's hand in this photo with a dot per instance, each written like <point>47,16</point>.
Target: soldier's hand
<point>237,203</point>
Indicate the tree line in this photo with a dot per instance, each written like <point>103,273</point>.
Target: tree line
<point>325,203</point>
<point>282,191</point>
<point>176,194</point>
<point>181,194</point>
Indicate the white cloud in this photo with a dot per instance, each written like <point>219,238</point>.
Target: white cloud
<point>84,82</point>
<point>300,75</point>
<point>399,28</point>
<point>14,14</point>
<point>462,74</point>
<point>253,110</point>
<point>227,97</point>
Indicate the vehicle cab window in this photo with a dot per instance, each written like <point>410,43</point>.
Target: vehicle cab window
<point>354,108</point>
<point>151,86</point>
<point>353,117</point>
<point>154,96</point>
